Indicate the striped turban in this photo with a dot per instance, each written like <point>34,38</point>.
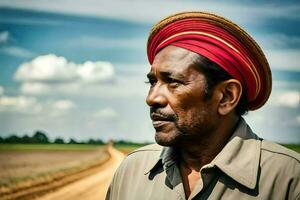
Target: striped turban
<point>222,42</point>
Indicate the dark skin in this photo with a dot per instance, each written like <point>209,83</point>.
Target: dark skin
<point>183,117</point>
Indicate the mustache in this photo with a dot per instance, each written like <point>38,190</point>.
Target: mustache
<point>157,112</point>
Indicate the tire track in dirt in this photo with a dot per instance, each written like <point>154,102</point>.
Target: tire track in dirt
<point>93,187</point>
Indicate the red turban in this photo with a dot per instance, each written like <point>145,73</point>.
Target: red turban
<point>222,42</point>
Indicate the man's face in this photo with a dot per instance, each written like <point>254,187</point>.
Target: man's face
<point>178,108</point>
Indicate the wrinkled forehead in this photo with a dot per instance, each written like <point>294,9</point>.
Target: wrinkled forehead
<point>173,58</point>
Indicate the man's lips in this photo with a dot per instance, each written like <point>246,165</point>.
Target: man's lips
<point>159,120</point>
<point>159,124</point>
<point>159,117</point>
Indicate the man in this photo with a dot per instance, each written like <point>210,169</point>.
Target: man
<point>205,73</point>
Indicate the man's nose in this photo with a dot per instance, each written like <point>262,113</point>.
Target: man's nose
<point>156,97</point>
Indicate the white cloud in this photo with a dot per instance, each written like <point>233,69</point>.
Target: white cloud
<point>36,88</point>
<point>271,41</point>
<point>284,59</point>
<point>287,99</point>
<point>22,104</point>
<point>68,88</point>
<point>58,108</point>
<point>298,119</point>
<point>12,50</point>
<point>107,113</point>
<point>31,106</point>
<point>46,68</point>
<point>63,105</point>
<point>124,87</point>
<point>287,84</point>
<point>4,37</point>
<point>90,79</point>
<point>1,90</point>
<point>52,68</point>
<point>17,51</point>
<point>96,71</point>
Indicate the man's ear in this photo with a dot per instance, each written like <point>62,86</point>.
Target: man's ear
<point>230,93</point>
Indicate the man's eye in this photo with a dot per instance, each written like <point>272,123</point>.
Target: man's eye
<point>174,85</point>
<point>173,82</point>
<point>150,81</point>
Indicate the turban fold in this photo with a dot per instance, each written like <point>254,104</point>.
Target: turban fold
<point>222,42</point>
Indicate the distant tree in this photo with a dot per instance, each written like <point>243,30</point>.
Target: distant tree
<point>80,142</point>
<point>99,141</point>
<point>126,142</point>
<point>122,142</point>
<point>59,141</point>
<point>93,141</point>
<point>1,140</point>
<point>26,139</point>
<point>40,137</point>
<point>73,141</point>
<point>13,139</point>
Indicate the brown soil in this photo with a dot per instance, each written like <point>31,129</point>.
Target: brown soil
<point>92,187</point>
<point>18,166</point>
<point>94,166</point>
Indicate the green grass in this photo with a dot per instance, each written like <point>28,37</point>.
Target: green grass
<point>49,147</point>
<point>294,147</point>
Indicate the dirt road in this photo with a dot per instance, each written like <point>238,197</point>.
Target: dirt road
<point>93,187</point>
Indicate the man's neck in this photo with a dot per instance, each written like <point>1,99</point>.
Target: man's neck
<point>202,152</point>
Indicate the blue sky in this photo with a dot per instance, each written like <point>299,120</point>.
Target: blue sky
<point>77,69</point>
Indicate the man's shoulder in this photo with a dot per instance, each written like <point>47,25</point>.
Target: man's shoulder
<point>279,159</point>
<point>151,148</point>
<point>145,153</point>
<point>280,170</point>
<point>278,151</point>
<point>141,159</point>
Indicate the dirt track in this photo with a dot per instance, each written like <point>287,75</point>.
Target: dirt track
<point>93,187</point>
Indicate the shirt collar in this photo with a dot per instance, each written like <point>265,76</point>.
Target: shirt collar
<point>239,159</point>
<point>166,159</point>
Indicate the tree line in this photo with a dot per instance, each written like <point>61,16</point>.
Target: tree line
<point>40,137</point>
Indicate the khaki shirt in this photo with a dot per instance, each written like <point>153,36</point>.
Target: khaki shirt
<point>246,168</point>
